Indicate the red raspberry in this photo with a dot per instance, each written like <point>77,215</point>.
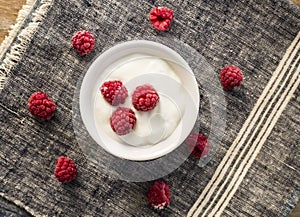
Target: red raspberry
<point>197,144</point>
<point>145,98</point>
<point>231,76</point>
<point>122,121</point>
<point>41,106</point>
<point>65,170</point>
<point>161,18</point>
<point>159,195</point>
<point>83,42</point>
<point>114,92</point>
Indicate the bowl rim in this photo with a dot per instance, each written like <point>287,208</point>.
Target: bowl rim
<point>119,48</point>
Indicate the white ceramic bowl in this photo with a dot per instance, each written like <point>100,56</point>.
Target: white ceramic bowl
<point>98,72</point>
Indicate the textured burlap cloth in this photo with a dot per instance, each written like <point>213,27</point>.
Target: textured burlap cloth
<point>255,172</point>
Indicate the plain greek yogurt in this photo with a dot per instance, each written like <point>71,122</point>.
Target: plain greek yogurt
<point>153,126</point>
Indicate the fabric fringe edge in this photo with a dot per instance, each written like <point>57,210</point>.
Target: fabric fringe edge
<point>19,47</point>
<point>23,12</point>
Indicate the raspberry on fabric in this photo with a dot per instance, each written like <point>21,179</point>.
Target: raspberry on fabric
<point>159,195</point>
<point>65,170</point>
<point>83,42</point>
<point>114,92</point>
<point>41,106</point>
<point>197,144</point>
<point>231,76</point>
<point>161,18</point>
<point>145,98</point>
<point>122,121</point>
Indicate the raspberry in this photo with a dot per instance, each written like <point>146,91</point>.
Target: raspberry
<point>114,92</point>
<point>41,106</point>
<point>145,98</point>
<point>122,121</point>
<point>159,195</point>
<point>65,170</point>
<point>83,42</point>
<point>197,144</point>
<point>161,18</point>
<point>231,76</point>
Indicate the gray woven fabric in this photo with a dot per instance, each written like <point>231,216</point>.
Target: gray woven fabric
<point>251,34</point>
